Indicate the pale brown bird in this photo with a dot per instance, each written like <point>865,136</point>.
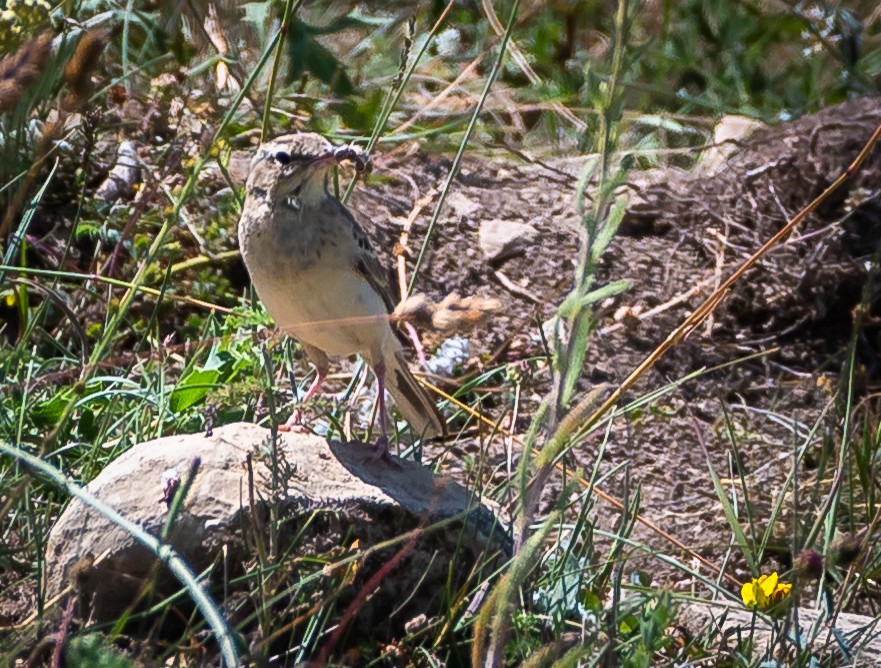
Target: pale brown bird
<point>318,276</point>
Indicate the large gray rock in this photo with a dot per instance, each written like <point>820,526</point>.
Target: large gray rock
<point>850,640</point>
<point>329,500</point>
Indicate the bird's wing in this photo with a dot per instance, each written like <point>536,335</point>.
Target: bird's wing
<point>367,264</point>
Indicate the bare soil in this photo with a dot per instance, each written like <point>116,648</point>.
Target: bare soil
<point>767,363</point>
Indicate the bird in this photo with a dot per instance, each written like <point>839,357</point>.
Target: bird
<point>317,274</point>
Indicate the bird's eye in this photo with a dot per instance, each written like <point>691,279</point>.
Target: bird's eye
<point>283,158</point>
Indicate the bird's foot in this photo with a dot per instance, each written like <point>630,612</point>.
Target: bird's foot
<point>294,423</point>
<point>381,447</point>
<point>380,451</point>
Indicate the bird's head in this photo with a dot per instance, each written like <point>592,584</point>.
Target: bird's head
<point>297,165</point>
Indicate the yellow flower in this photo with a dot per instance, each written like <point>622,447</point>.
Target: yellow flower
<point>765,592</point>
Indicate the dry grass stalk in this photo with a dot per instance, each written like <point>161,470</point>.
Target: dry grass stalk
<point>23,68</point>
<point>51,131</point>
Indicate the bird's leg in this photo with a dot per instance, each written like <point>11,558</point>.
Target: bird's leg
<point>420,351</point>
<point>381,446</point>
<point>295,422</point>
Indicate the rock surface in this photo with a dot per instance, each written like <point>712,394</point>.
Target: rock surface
<point>859,634</point>
<point>500,239</point>
<point>330,498</point>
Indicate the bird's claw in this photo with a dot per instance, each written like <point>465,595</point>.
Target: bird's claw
<point>294,423</point>
<point>381,447</point>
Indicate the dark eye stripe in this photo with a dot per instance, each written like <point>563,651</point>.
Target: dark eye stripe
<point>283,158</point>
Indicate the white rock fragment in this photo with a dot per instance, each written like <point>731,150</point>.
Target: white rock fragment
<point>500,239</point>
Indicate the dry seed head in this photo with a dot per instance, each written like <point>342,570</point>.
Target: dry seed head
<point>846,548</point>
<point>22,68</point>
<point>809,563</point>
<point>452,314</point>
<point>78,71</point>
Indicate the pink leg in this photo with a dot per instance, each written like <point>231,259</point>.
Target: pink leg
<point>381,446</point>
<point>414,337</point>
<point>295,422</point>
<point>320,375</point>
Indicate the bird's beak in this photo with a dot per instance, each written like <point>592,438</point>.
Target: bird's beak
<point>324,160</point>
<point>340,154</point>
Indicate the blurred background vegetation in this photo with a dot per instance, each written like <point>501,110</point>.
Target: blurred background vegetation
<point>765,59</point>
<point>687,64</point>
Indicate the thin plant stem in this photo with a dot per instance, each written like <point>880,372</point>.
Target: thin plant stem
<point>457,161</point>
<point>290,10</point>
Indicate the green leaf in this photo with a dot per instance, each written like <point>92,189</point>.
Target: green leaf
<point>610,227</point>
<point>359,112</point>
<point>48,413</point>
<point>731,517</point>
<point>88,426</point>
<point>193,388</point>
<point>592,602</point>
<point>257,14</point>
<point>628,625</point>
<point>94,651</point>
<point>574,303</point>
<point>573,365</point>
<point>307,55</point>
<point>603,293</point>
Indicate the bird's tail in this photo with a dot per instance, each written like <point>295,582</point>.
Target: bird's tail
<point>414,402</point>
